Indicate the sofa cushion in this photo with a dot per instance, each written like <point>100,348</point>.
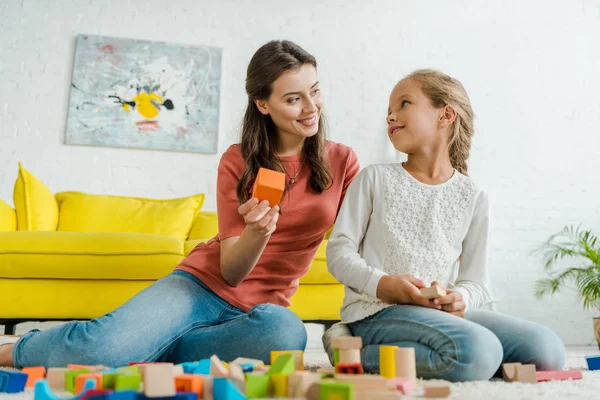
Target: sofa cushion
<point>80,212</point>
<point>205,226</point>
<point>36,207</point>
<point>8,217</point>
<point>69,255</point>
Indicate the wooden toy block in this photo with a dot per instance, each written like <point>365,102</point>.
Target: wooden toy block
<point>190,383</point>
<point>433,292</point>
<point>42,390</point>
<point>404,385</point>
<point>593,362</point>
<point>34,374</point>
<point>159,380</point>
<point>314,391</point>
<point>405,363</point>
<point>178,370</point>
<point>128,381</point>
<point>349,368</point>
<point>178,396</point>
<point>278,384</point>
<point>326,371</point>
<point>223,389</point>
<point>381,395</point>
<point>544,376</point>
<point>257,386</point>
<point>284,364</point>
<point>56,377</point>
<point>332,390</point>
<point>364,383</point>
<point>269,185</point>
<point>217,368</point>
<point>12,382</point>
<point>80,381</point>
<point>436,389</point>
<point>254,362</point>
<point>70,376</point>
<point>387,363</point>
<point>348,356</point>
<point>298,384</point>
<point>347,342</point>
<point>142,367</point>
<point>236,375</point>
<point>208,387</point>
<point>517,372</point>
<point>298,357</point>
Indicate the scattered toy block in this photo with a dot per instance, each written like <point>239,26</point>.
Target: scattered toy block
<point>349,368</point>
<point>380,395</point>
<point>109,379</point>
<point>364,383</point>
<point>34,374</point>
<point>70,376</point>
<point>56,377</point>
<point>544,376</point>
<point>269,185</point>
<point>159,380</point>
<point>223,389</point>
<point>255,363</point>
<point>42,390</point>
<point>12,381</point>
<point>332,390</point>
<point>217,367</point>
<point>81,379</point>
<point>436,389</point>
<point>348,356</point>
<point>517,372</point>
<point>178,370</point>
<point>298,384</point>
<point>247,367</point>
<point>433,292</point>
<point>257,386</point>
<point>347,342</point>
<point>133,370</point>
<point>121,395</point>
<point>128,382</point>
<point>298,357</point>
<point>593,362</point>
<point>189,383</point>
<point>387,363</point>
<point>326,371</point>
<point>284,364</point>
<point>202,367</point>
<point>177,396</point>
<point>404,385</point>
<point>95,394</point>
<point>405,364</point>
<point>314,391</point>
<point>278,384</point>
<point>208,387</point>
<point>236,375</point>
<point>142,367</point>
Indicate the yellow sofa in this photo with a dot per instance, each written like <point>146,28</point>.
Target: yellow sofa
<point>78,256</point>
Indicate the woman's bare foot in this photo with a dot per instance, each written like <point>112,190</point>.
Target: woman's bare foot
<point>6,355</point>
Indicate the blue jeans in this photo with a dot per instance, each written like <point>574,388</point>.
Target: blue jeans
<point>458,349</point>
<point>176,319</point>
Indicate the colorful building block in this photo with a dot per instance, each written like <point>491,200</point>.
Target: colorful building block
<point>349,368</point>
<point>177,396</point>
<point>56,377</point>
<point>217,367</point>
<point>159,380</point>
<point>190,383</point>
<point>128,382</point>
<point>223,389</point>
<point>269,185</point>
<point>284,364</point>
<point>278,384</point>
<point>42,390</point>
<point>405,364</point>
<point>387,361</point>
<point>593,362</point>
<point>34,374</point>
<point>436,389</point>
<point>544,376</point>
<point>433,292</point>
<point>298,357</point>
<point>257,386</point>
<point>70,376</point>
<point>332,390</point>
<point>517,372</point>
<point>81,379</point>
<point>12,381</point>
<point>404,385</point>
<point>299,383</point>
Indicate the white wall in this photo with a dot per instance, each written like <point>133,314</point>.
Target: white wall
<point>532,69</point>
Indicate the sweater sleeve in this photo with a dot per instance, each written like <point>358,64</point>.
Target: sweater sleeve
<point>472,277</point>
<point>343,258</point>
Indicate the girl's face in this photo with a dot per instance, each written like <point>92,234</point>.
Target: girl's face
<point>295,103</point>
<point>414,124</point>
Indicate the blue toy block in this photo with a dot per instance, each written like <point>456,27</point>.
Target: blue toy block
<point>593,362</point>
<point>224,389</point>
<point>120,395</point>
<point>178,396</point>
<point>189,367</point>
<point>12,382</point>
<point>203,367</point>
<point>247,367</point>
<point>42,390</point>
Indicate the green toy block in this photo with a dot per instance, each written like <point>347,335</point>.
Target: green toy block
<point>70,378</point>
<point>257,386</point>
<point>332,390</point>
<point>284,364</point>
<point>336,357</point>
<point>132,370</point>
<point>128,382</point>
<point>109,379</point>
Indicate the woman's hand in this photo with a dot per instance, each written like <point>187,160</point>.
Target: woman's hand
<point>403,289</point>
<point>259,217</point>
<point>452,302</point>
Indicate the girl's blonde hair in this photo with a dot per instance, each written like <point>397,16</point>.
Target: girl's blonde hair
<point>444,90</point>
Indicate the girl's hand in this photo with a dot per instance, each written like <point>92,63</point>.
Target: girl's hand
<point>403,289</point>
<point>452,302</point>
<point>259,217</point>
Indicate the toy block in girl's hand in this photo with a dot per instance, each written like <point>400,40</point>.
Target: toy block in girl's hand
<point>34,374</point>
<point>433,292</point>
<point>269,185</point>
<point>543,376</point>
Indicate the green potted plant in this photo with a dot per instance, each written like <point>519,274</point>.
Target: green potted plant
<point>581,249</point>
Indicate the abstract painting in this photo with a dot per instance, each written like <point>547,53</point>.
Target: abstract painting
<point>142,94</point>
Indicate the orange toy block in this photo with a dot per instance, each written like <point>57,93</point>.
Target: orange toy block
<point>436,389</point>
<point>269,185</point>
<point>517,372</point>
<point>80,381</point>
<point>34,374</point>
<point>190,383</point>
<point>433,292</point>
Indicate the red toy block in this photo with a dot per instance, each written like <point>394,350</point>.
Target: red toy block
<point>34,374</point>
<point>269,185</point>
<point>349,368</point>
<point>543,376</point>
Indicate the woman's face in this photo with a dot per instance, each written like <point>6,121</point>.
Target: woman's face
<point>295,102</point>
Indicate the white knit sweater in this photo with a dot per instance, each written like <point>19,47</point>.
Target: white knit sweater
<point>390,223</point>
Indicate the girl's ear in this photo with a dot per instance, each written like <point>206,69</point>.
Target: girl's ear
<point>447,116</point>
<point>262,106</point>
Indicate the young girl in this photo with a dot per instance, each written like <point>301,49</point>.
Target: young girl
<point>405,225</point>
<point>229,296</point>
